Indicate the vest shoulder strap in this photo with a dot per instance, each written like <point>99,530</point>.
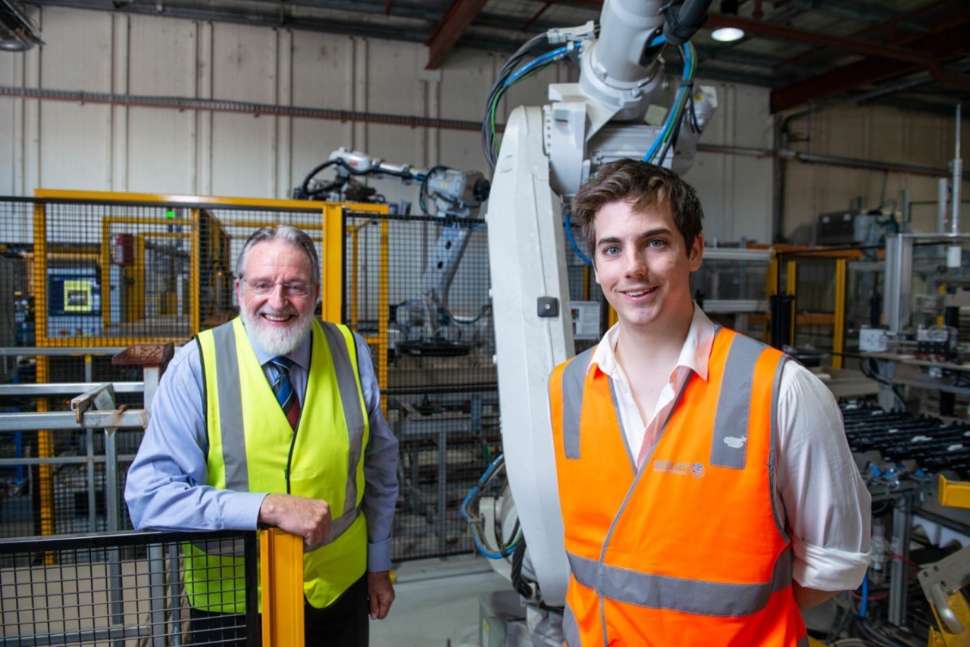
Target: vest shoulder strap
<point>573,387</point>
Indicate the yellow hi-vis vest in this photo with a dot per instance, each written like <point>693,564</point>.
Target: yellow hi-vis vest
<point>252,448</point>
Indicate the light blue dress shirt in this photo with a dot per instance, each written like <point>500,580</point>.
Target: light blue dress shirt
<point>166,484</point>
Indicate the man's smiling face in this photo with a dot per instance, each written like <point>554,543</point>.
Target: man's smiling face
<point>643,264</point>
<point>277,294</point>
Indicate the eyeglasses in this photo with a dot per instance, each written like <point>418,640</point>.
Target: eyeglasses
<point>293,288</point>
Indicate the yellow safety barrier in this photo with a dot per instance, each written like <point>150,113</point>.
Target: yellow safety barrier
<point>281,579</point>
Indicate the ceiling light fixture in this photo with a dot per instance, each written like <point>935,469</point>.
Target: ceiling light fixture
<point>728,34</point>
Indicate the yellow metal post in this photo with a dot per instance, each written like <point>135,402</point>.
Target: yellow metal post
<point>45,439</point>
<point>138,292</point>
<point>354,275</point>
<point>838,332</point>
<point>281,580</point>
<point>333,262</point>
<point>194,275</point>
<point>45,472</point>
<point>771,288</point>
<point>791,285</point>
<point>383,324</point>
<point>40,274</point>
<point>105,268</point>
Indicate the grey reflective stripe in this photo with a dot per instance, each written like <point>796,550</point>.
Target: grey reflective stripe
<point>677,594</point>
<point>778,509</point>
<point>619,420</point>
<point>573,379</point>
<point>350,399</point>
<point>340,524</point>
<point>570,630</point>
<point>729,445</point>
<point>230,408</point>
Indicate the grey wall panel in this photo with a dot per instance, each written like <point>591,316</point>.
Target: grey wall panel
<point>244,63</point>
<point>9,144</point>
<point>322,70</point>
<point>242,155</point>
<point>78,53</point>
<point>461,148</point>
<point>161,151</point>
<point>735,191</point>
<point>393,83</point>
<point>75,146</point>
<point>162,57</point>
<point>873,133</point>
<point>9,73</point>
<point>465,81</point>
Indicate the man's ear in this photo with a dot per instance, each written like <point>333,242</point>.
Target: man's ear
<point>695,255</point>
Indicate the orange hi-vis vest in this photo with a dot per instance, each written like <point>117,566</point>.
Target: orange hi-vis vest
<point>691,548</point>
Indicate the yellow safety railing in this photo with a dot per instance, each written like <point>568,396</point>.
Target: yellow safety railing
<point>329,229</point>
<point>281,582</point>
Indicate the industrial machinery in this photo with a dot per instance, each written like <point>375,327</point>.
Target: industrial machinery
<point>74,300</point>
<point>546,154</point>
<point>944,582</point>
<point>924,286</point>
<point>423,325</point>
<point>898,453</point>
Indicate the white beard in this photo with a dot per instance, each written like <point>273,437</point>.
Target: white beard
<point>273,341</point>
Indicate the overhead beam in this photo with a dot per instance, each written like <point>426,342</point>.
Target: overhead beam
<point>955,80</point>
<point>888,28</point>
<point>939,46</point>
<point>847,45</point>
<point>449,29</point>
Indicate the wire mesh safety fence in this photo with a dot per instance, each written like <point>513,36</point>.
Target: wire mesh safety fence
<point>85,274</point>
<point>417,289</point>
<point>64,481</point>
<point>96,275</point>
<point>130,589</point>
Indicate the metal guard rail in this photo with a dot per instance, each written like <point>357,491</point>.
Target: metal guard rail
<point>107,604</point>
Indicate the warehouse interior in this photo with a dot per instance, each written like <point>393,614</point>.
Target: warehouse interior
<point>146,140</point>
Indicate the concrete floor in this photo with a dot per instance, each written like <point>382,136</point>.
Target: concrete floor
<point>436,603</point>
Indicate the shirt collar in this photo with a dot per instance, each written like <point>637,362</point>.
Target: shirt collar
<point>299,355</point>
<point>694,355</point>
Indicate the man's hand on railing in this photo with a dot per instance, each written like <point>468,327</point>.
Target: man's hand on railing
<point>308,518</point>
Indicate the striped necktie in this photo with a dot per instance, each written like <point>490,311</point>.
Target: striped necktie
<point>283,389</point>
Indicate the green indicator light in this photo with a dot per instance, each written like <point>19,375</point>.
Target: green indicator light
<point>170,214</point>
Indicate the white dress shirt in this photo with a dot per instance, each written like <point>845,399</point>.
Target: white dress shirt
<point>826,504</point>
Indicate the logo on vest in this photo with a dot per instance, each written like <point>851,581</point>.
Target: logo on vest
<point>735,442</point>
<point>680,469</point>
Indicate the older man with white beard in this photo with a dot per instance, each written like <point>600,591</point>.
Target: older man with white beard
<point>274,419</point>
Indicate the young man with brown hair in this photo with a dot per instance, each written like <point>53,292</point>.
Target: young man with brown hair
<point>707,490</point>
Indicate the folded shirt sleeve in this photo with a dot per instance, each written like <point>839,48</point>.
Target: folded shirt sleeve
<point>826,505</point>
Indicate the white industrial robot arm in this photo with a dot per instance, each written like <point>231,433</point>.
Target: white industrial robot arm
<point>546,154</point>
<point>444,192</point>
